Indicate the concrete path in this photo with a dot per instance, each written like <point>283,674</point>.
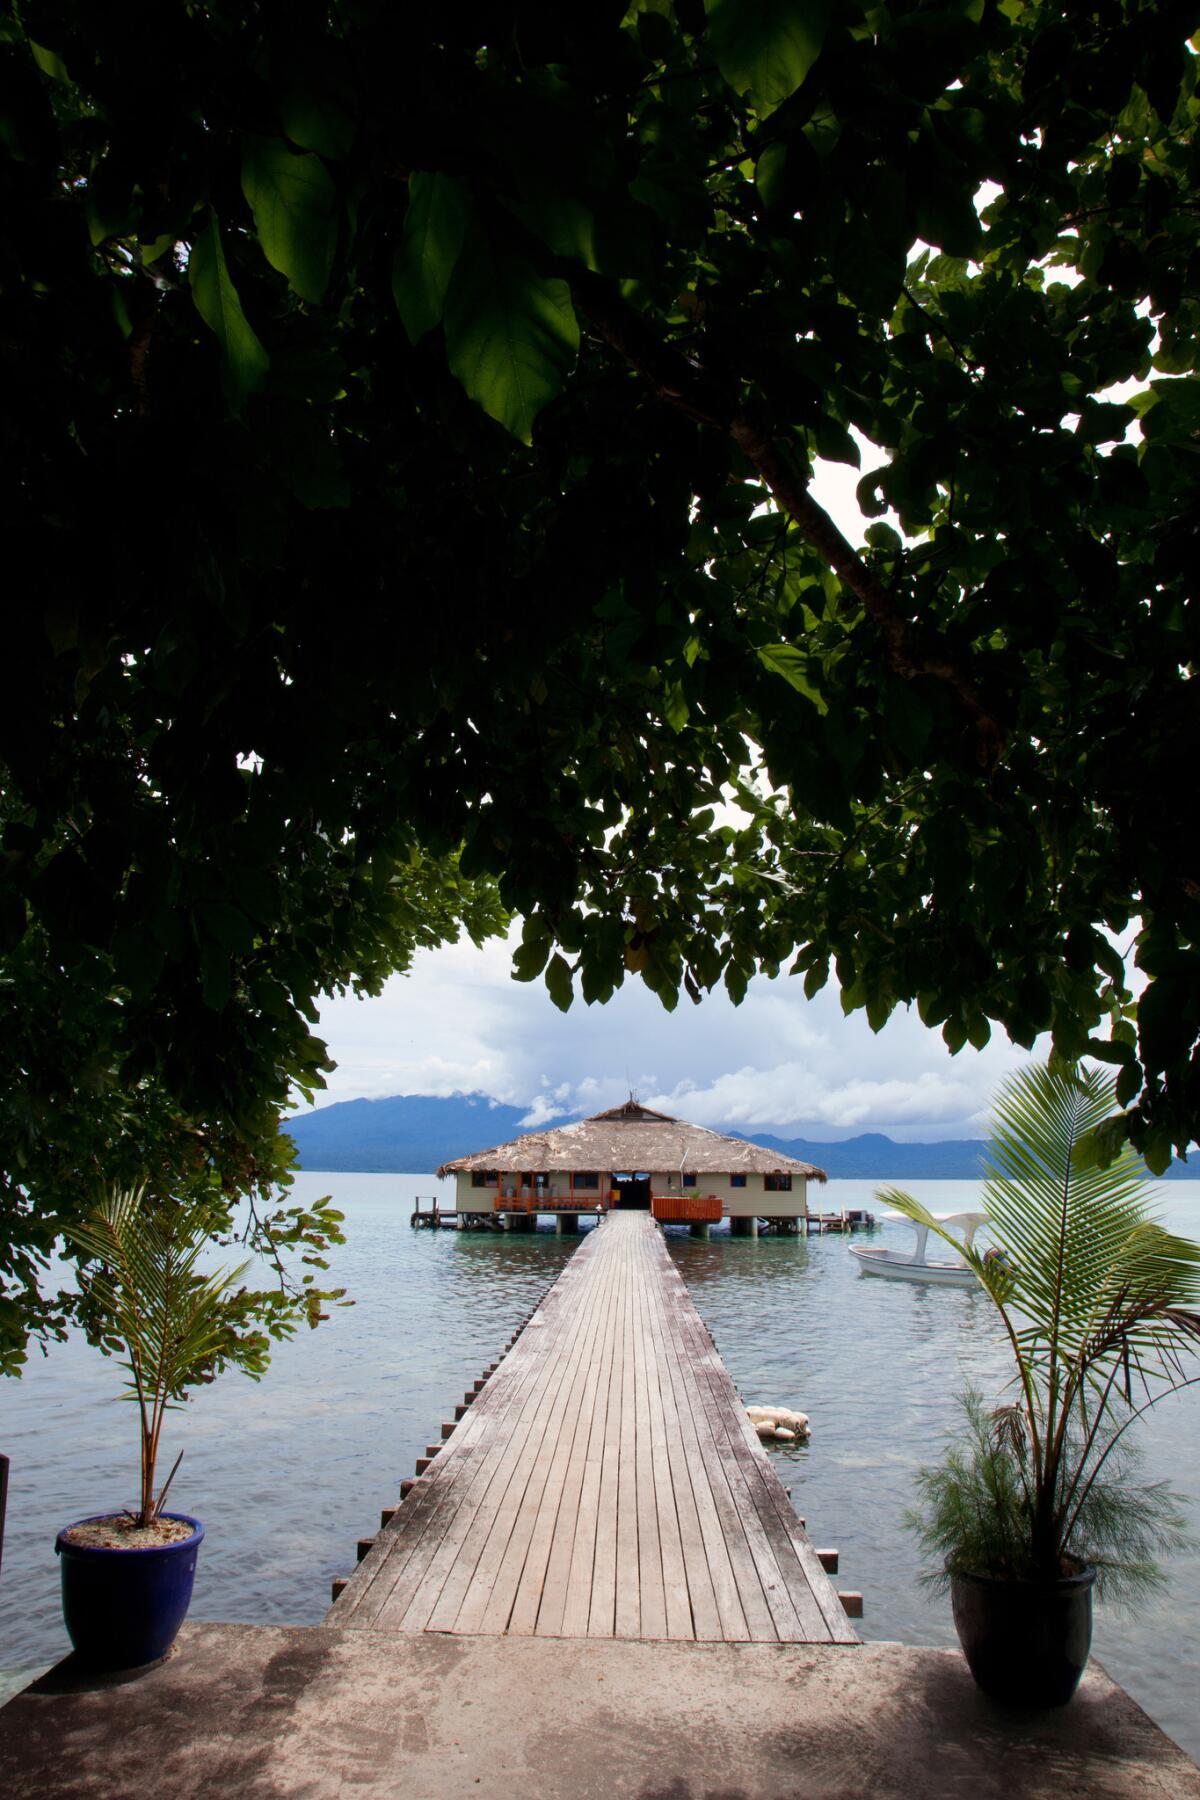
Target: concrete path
<point>605,1483</point>
<point>285,1713</point>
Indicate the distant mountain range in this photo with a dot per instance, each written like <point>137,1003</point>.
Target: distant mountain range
<point>407,1134</point>
<point>415,1133</point>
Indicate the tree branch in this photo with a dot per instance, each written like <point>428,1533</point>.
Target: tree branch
<point>683,384</point>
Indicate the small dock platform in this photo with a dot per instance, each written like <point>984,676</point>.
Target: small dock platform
<point>605,1483</point>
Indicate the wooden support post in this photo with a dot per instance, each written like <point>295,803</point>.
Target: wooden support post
<point>406,1487</point>
<point>447,1428</point>
<point>852,1605</point>
<point>364,1547</point>
<point>699,1228</point>
<point>423,1463</point>
<point>338,1584</point>
<point>460,1412</point>
<point>567,1224</point>
<point>828,1560</point>
<point>743,1228</point>
<point>386,1515</point>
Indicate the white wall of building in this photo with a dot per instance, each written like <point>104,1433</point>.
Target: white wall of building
<point>750,1201</point>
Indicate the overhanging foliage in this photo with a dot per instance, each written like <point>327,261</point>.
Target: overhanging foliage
<point>410,419</point>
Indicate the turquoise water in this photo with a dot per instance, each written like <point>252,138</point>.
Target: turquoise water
<point>287,1473</point>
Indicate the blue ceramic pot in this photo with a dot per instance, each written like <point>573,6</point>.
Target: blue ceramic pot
<point>123,1608</point>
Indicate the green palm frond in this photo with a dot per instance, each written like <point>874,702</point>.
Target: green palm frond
<point>170,1319</point>
<point>1100,1303</point>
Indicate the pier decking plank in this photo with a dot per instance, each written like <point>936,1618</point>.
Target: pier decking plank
<point>565,1602</point>
<point>767,1619</point>
<point>605,1483</point>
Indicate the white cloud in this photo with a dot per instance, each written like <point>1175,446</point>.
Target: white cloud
<point>760,1098</point>
<point>460,1024</point>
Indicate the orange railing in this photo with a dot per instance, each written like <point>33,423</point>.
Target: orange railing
<point>552,1203</point>
<point>686,1209</point>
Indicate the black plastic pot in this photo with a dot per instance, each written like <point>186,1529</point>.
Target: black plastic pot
<point>1026,1642</point>
<point>123,1608</point>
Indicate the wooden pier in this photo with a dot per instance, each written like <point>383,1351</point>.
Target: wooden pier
<point>604,1483</point>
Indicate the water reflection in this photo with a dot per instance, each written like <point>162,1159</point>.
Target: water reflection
<point>731,1261</point>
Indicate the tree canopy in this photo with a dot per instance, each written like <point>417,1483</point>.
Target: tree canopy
<point>409,431</point>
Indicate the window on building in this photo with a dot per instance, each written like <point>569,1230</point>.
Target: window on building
<point>777,1184</point>
<point>484,1177</point>
<point>691,1180</point>
<point>737,1181</point>
<point>587,1178</point>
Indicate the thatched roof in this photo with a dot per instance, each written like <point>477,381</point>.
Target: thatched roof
<point>632,1137</point>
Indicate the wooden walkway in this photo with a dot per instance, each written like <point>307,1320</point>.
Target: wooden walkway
<point>605,1483</point>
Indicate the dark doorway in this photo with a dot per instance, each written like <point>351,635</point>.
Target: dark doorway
<point>633,1192</point>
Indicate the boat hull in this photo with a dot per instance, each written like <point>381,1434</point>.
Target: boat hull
<point>896,1267</point>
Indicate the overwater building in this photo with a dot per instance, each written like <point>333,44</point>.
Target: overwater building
<point>634,1157</point>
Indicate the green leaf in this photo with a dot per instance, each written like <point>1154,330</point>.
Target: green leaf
<point>511,334</point>
<point>244,362</point>
<point>563,223</point>
<point>793,665</point>
<point>834,442</point>
<point>1129,1081</point>
<point>765,48</point>
<point>439,213</point>
<point>49,62</point>
<point>294,202</point>
<point>316,122</point>
<point>529,960</point>
<point>1157,1152</point>
<point>1111,1050</point>
<point>770,173</point>
<point>675,706</point>
<point>558,982</point>
<point>816,977</point>
<point>946,216</point>
<point>884,537</point>
<point>823,130</point>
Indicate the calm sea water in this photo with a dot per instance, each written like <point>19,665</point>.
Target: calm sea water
<point>287,1473</point>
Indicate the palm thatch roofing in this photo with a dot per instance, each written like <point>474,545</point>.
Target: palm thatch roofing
<point>632,1137</point>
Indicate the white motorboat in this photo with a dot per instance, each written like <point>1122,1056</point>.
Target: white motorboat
<point>914,1265</point>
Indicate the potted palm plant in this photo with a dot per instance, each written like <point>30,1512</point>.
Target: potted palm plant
<point>127,1574</point>
<point>1041,1503</point>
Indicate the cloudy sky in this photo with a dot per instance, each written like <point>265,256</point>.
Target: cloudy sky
<point>778,1062</point>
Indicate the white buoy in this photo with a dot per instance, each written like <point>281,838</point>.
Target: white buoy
<point>793,1421</point>
<point>767,1420</point>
